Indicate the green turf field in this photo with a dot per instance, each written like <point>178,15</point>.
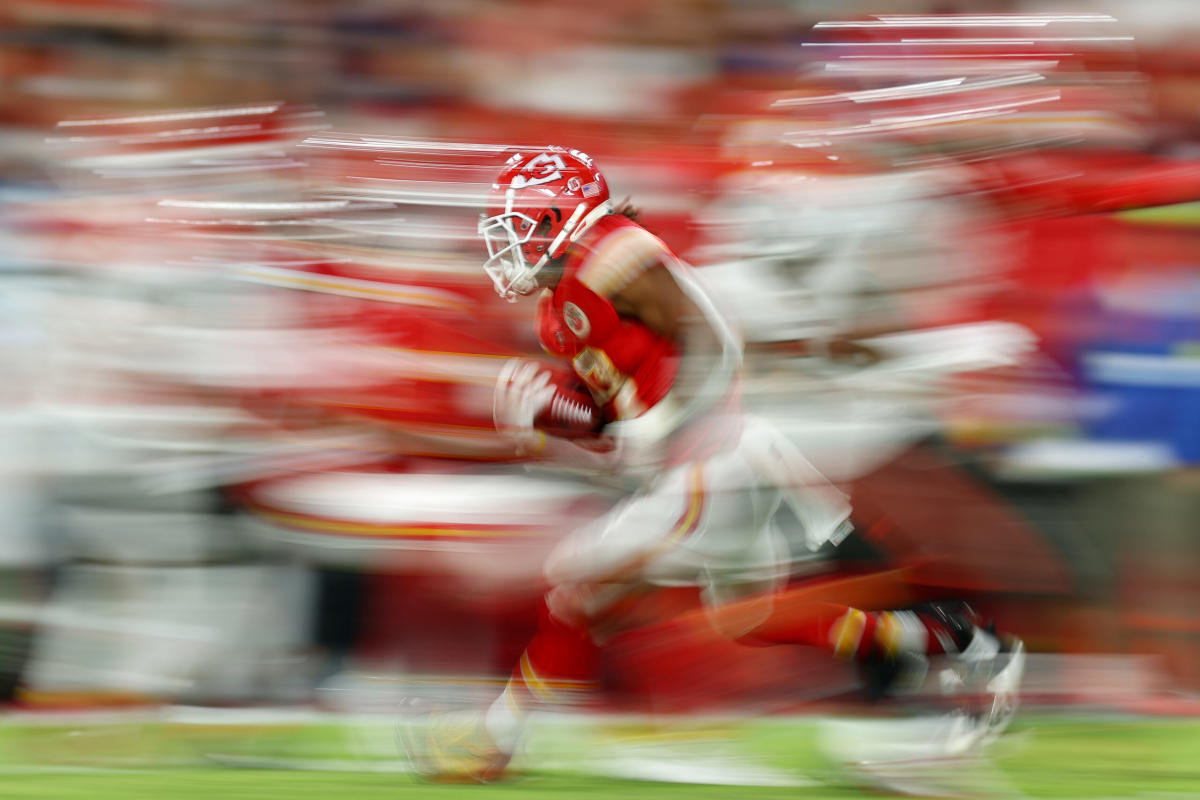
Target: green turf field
<point>1043,756</point>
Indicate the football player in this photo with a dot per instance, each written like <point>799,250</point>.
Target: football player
<point>705,479</point>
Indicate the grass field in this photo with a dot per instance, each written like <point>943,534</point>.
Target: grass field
<point>1043,756</point>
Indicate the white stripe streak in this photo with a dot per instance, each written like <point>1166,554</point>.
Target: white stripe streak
<point>913,90</point>
<point>1028,41</point>
<point>351,287</point>
<point>935,65</point>
<point>334,140</point>
<point>417,192</point>
<point>235,205</point>
<point>965,21</point>
<point>925,19</point>
<point>174,116</point>
<point>245,223</point>
<point>902,123</point>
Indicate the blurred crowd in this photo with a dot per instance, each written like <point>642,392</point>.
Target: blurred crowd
<point>248,351</point>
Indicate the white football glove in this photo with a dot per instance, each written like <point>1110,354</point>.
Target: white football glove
<point>523,390</point>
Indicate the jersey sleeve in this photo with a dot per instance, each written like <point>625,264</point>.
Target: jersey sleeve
<point>619,258</point>
<point>651,363</point>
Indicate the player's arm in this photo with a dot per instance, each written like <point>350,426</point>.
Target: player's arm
<point>655,299</point>
<point>668,300</point>
<point>524,390</point>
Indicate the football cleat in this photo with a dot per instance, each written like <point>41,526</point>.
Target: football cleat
<point>1004,686</point>
<point>452,747</point>
<point>987,675</point>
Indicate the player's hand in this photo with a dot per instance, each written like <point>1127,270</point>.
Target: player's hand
<point>523,390</point>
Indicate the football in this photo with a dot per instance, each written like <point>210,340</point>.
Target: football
<point>571,411</point>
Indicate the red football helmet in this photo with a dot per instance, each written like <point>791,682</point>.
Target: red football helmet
<point>541,202</point>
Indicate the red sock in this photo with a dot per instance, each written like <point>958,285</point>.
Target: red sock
<point>854,633</point>
<point>558,665</point>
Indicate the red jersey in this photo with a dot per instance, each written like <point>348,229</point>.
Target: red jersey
<point>627,367</point>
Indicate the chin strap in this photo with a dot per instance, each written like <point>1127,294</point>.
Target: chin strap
<point>574,227</point>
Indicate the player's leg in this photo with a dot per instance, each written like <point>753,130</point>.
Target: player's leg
<point>556,669</point>
<point>882,641</point>
<point>889,644</point>
<point>588,571</point>
<point>854,633</point>
<point>618,547</point>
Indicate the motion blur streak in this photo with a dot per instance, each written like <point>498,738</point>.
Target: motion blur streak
<point>253,443</point>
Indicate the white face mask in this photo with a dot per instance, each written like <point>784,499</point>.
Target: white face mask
<point>511,274</point>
